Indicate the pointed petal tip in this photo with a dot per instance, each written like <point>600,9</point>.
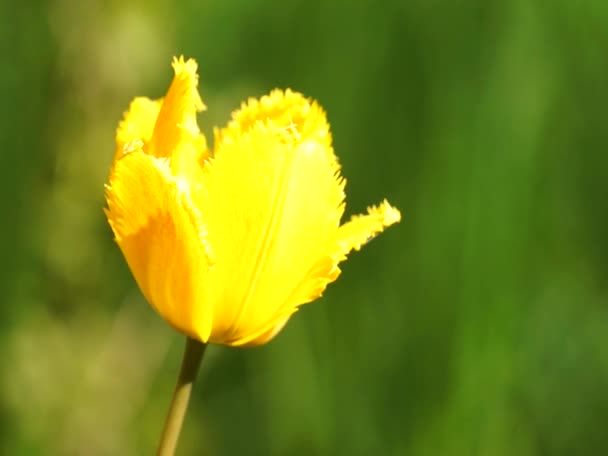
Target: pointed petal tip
<point>188,70</point>
<point>181,65</point>
<point>389,214</point>
<point>362,228</point>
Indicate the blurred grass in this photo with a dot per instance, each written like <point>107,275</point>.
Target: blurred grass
<point>479,325</point>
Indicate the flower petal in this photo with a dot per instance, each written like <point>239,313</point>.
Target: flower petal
<point>266,334</point>
<point>273,204</point>
<point>176,131</point>
<point>351,235</point>
<point>163,240</point>
<point>284,109</point>
<point>138,123</point>
<point>362,228</point>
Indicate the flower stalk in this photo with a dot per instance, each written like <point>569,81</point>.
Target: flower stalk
<point>193,355</point>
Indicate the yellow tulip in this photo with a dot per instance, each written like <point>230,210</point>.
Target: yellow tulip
<point>227,245</point>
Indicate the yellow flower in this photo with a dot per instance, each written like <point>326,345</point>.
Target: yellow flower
<point>227,245</point>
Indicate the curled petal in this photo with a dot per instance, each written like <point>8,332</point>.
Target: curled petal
<point>138,123</point>
<point>176,127</point>
<point>273,205</point>
<point>361,228</point>
<point>351,235</point>
<point>163,240</point>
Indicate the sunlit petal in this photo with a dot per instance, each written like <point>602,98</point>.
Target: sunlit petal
<point>284,109</point>
<point>273,203</point>
<point>361,228</point>
<point>266,334</point>
<point>163,239</point>
<point>176,128</point>
<point>352,235</point>
<point>138,123</point>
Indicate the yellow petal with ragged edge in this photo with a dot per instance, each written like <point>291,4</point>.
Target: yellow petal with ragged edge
<point>163,239</point>
<point>361,228</point>
<point>176,133</point>
<point>273,203</point>
<point>138,123</point>
<point>351,235</point>
<point>286,109</point>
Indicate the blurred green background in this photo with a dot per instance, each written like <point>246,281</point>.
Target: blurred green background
<point>477,326</point>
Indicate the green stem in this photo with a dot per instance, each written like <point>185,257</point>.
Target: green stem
<point>193,354</point>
